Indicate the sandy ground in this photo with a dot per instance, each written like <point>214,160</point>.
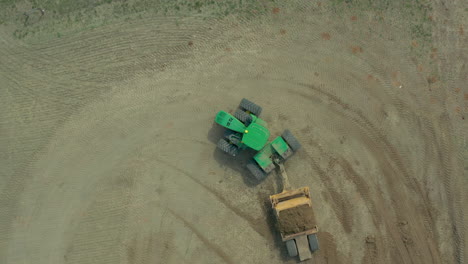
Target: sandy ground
<point>108,142</point>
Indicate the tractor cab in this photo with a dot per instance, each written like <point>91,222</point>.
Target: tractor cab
<point>251,130</point>
<point>255,136</point>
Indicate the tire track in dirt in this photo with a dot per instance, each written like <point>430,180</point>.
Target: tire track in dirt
<point>389,170</point>
<point>202,238</point>
<point>43,127</point>
<point>439,152</point>
<point>408,113</point>
<point>371,253</point>
<point>22,56</point>
<point>452,49</point>
<point>45,66</point>
<point>328,252</point>
<point>147,24</point>
<point>363,189</point>
<point>368,127</point>
<point>365,124</point>
<point>424,125</point>
<point>148,248</point>
<point>220,197</point>
<point>63,70</point>
<point>92,48</point>
<point>341,206</point>
<point>32,85</point>
<point>99,230</point>
<point>17,177</point>
<point>169,37</point>
<point>403,213</point>
<point>376,206</point>
<point>30,91</point>
<point>106,36</point>
<point>444,144</point>
<point>445,129</point>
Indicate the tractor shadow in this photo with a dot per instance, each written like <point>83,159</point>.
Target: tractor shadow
<point>272,225</point>
<point>236,163</point>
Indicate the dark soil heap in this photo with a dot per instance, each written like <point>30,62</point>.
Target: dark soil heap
<point>295,220</point>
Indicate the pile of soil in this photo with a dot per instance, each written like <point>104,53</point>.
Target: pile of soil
<point>296,220</point>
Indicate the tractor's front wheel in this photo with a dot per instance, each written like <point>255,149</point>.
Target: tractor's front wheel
<point>291,140</point>
<point>225,146</point>
<point>243,117</point>
<point>250,107</point>
<point>256,171</point>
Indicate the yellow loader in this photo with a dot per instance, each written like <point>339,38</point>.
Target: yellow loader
<point>295,217</point>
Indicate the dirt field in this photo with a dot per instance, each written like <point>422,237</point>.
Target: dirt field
<point>108,143</point>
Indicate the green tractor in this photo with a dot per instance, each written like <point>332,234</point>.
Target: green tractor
<point>246,130</point>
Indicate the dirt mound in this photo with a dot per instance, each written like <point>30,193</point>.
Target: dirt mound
<point>296,220</point>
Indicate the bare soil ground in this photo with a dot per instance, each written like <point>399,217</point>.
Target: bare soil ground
<point>108,142</point>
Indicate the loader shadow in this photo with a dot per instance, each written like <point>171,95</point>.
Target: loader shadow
<point>270,219</point>
<point>236,163</point>
<point>272,224</point>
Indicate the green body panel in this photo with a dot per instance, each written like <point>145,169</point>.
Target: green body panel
<point>255,136</point>
<point>263,157</point>
<point>280,145</point>
<point>259,121</point>
<point>228,121</point>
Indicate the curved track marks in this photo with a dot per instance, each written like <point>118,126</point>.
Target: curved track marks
<point>392,168</point>
<point>384,165</point>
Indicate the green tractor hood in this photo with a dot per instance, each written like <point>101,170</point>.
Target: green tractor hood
<point>230,122</point>
<point>255,136</point>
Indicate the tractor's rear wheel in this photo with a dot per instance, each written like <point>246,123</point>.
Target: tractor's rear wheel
<point>291,140</point>
<point>225,146</point>
<point>291,247</point>
<point>313,242</point>
<point>243,117</point>
<point>250,106</point>
<point>256,171</point>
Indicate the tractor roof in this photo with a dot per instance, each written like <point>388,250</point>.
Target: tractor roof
<point>256,136</point>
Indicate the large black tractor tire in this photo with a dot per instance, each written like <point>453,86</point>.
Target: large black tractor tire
<point>250,106</point>
<point>243,117</point>
<point>230,149</point>
<point>291,247</point>
<point>291,140</point>
<point>256,171</point>
<point>313,242</point>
